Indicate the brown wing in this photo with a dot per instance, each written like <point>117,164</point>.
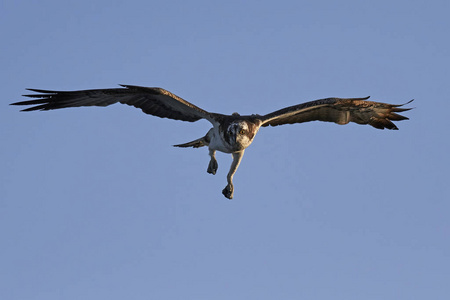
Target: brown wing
<point>340,111</point>
<point>153,101</point>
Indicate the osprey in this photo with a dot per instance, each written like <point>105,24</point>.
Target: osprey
<point>230,133</point>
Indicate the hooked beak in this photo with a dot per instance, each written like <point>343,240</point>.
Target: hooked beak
<point>233,133</point>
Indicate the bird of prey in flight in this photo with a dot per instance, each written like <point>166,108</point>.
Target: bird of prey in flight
<point>229,133</point>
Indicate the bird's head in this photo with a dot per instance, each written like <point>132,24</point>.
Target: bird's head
<point>241,133</point>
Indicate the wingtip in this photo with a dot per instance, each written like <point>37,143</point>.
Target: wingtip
<point>398,105</point>
<point>25,109</point>
<point>20,103</point>
<point>407,103</point>
<point>42,91</point>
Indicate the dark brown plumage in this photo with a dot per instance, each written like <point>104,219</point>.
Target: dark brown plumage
<point>154,101</point>
<point>162,103</point>
<point>230,133</point>
<point>340,111</point>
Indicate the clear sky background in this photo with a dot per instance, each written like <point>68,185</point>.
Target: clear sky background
<point>95,203</point>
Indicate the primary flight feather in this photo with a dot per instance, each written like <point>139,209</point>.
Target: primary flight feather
<point>230,133</point>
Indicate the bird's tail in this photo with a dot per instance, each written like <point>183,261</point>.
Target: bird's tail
<point>195,144</point>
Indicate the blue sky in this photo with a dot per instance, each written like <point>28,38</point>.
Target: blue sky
<point>96,204</point>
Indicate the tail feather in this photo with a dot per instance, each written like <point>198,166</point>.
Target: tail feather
<point>195,144</point>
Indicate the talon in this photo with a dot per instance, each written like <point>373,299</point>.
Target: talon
<point>212,167</point>
<point>228,191</point>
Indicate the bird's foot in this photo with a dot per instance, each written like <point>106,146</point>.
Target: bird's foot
<point>212,167</point>
<point>228,191</point>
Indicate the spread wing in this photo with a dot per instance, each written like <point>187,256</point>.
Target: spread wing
<point>340,111</point>
<point>154,101</point>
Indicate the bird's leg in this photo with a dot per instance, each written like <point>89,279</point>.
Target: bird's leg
<point>213,165</point>
<point>229,189</point>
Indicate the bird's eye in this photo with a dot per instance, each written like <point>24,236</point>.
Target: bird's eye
<point>242,131</point>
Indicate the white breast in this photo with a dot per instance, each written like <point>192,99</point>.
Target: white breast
<point>217,142</point>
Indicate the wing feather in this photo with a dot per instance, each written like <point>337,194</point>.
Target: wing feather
<point>340,111</point>
<point>154,101</point>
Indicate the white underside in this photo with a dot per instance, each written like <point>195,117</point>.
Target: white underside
<point>216,141</point>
